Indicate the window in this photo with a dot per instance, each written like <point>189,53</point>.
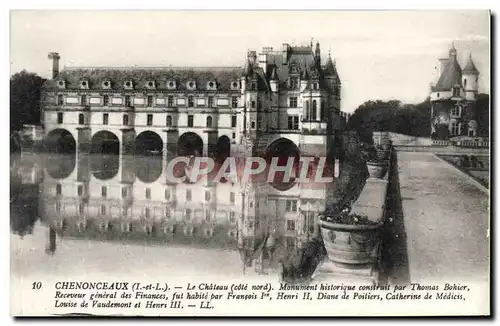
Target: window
<point>81,119</point>
<point>291,205</point>
<point>105,118</point>
<point>190,101</point>
<point>169,121</point>
<point>150,101</point>
<point>104,191</point>
<point>124,192</point>
<point>234,135</point>
<point>253,104</point>
<point>103,210</point>
<point>210,101</point>
<point>127,101</point>
<point>232,217</point>
<point>465,83</point>
<point>315,86</point>
<point>455,129</point>
<point>207,214</point>
<point>81,209</point>
<point>293,122</point>
<point>170,101</point>
<point>147,212</point>
<point>150,120</point>
<point>293,102</point>
<point>308,113</point>
<point>233,121</point>
<point>234,102</point>
<point>188,195</point>
<point>188,214</point>
<point>148,193</point>
<point>80,190</point>
<point>253,124</point>
<point>456,91</point>
<point>209,122</point>
<point>58,189</point>
<point>59,117</point>
<point>105,100</point>
<point>60,100</point>
<point>125,119</point>
<point>84,100</point>
<point>259,104</point>
<point>167,194</point>
<point>231,198</point>
<point>190,120</point>
<point>290,225</point>
<point>314,111</point>
<point>58,207</point>
<point>207,195</point>
<point>455,111</point>
<point>254,86</point>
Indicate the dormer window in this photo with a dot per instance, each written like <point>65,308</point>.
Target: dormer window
<point>106,84</point>
<point>84,84</point>
<point>61,84</point>
<point>171,84</point>
<point>128,84</point>
<point>151,84</point>
<point>191,85</point>
<point>235,85</point>
<point>212,86</point>
<point>456,91</point>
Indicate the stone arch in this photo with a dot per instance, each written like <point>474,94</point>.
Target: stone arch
<point>148,143</point>
<point>190,143</point>
<point>222,148</point>
<point>105,159</point>
<point>283,148</point>
<point>61,160</point>
<point>105,142</point>
<point>60,141</point>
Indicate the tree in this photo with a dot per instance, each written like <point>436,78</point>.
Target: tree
<point>25,89</point>
<point>483,114</point>
<point>408,119</point>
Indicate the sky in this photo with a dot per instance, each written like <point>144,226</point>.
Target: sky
<point>380,54</point>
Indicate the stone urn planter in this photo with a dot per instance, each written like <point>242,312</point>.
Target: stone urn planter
<point>383,154</point>
<point>377,169</point>
<point>350,244</point>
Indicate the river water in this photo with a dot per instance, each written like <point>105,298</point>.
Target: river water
<point>111,216</point>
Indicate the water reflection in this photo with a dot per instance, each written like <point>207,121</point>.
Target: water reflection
<point>265,225</point>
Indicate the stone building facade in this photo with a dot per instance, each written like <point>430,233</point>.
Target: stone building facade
<point>285,96</point>
<point>453,99</point>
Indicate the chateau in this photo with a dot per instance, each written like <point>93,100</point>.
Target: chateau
<point>453,99</point>
<point>281,103</point>
<point>285,100</point>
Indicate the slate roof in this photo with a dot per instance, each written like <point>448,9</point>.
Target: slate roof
<point>224,76</point>
<point>470,68</point>
<point>451,76</point>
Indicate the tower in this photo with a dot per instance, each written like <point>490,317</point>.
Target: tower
<point>470,76</point>
<point>317,55</point>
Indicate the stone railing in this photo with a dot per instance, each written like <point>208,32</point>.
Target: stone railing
<point>372,200</point>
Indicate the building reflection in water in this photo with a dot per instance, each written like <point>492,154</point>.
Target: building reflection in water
<point>126,198</point>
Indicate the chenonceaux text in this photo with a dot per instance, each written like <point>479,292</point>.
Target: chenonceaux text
<point>92,286</point>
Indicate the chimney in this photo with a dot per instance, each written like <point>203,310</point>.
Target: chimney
<point>252,57</point>
<point>284,53</point>
<point>54,56</point>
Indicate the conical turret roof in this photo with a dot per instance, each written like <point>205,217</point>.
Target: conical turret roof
<point>274,74</point>
<point>470,68</point>
<point>248,71</point>
<point>451,75</point>
<point>330,69</point>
